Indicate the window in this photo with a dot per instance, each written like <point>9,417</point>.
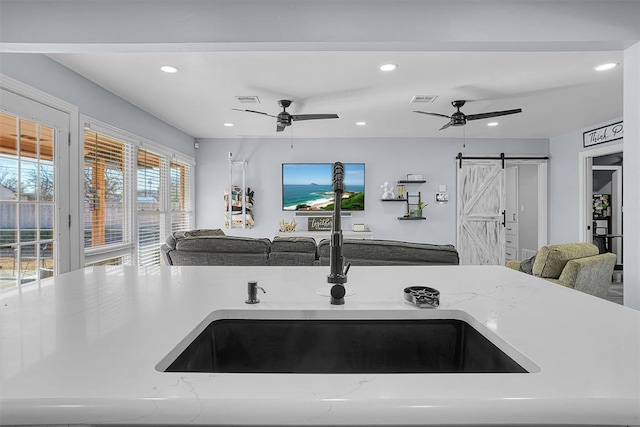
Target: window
<point>181,197</point>
<point>151,212</point>
<point>136,193</point>
<point>107,202</point>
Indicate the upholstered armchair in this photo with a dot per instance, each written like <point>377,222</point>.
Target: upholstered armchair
<point>573,265</point>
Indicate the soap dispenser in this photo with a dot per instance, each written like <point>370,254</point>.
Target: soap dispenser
<point>252,291</point>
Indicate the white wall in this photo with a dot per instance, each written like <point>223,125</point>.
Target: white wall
<point>320,24</point>
<point>564,180</point>
<point>631,177</point>
<point>43,73</point>
<point>385,160</point>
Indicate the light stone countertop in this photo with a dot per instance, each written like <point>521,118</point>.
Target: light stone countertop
<point>82,348</point>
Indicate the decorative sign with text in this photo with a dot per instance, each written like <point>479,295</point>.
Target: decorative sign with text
<point>319,223</point>
<point>604,134</point>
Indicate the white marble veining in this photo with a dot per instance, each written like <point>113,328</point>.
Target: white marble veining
<point>82,348</point>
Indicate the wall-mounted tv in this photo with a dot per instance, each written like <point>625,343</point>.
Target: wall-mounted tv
<point>308,187</point>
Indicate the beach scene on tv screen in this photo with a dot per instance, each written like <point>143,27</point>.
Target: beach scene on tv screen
<point>309,187</point>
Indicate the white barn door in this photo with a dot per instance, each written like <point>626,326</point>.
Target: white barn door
<point>481,205</point>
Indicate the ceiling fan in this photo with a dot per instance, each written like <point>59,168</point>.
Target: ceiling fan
<point>285,119</point>
<point>460,119</point>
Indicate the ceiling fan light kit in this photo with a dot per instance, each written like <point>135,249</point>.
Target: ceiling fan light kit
<point>460,119</point>
<point>284,119</point>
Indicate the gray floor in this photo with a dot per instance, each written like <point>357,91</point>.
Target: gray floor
<point>615,292</point>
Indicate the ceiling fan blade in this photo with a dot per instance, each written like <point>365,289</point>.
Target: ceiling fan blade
<point>493,114</point>
<point>432,114</point>
<point>445,126</point>
<point>254,111</point>
<point>297,117</point>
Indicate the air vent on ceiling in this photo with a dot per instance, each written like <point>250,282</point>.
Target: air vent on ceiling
<point>248,99</point>
<point>423,99</point>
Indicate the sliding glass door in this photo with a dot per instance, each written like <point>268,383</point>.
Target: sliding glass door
<point>34,199</point>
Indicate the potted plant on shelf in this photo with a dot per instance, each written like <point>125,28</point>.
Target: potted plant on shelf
<point>418,211</point>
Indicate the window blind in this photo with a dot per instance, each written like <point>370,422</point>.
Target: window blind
<point>181,199</point>
<point>151,201</point>
<point>106,186</point>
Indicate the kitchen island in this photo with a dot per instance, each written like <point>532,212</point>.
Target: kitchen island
<point>87,347</point>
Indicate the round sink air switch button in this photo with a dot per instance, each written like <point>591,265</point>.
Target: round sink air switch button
<point>422,296</point>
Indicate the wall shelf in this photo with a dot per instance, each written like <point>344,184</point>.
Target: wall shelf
<point>413,207</point>
<point>412,201</point>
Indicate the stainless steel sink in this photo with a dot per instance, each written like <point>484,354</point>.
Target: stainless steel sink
<point>310,342</point>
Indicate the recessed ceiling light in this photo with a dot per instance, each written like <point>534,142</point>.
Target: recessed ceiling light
<point>228,125</point>
<point>604,67</point>
<point>388,67</point>
<point>361,123</point>
<point>169,69</point>
<point>492,124</point>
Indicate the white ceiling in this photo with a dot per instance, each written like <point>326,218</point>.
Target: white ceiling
<point>558,92</point>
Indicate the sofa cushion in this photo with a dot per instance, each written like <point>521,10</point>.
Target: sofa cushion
<point>293,244</point>
<point>551,259</point>
<point>291,250</point>
<point>223,244</point>
<point>292,258</point>
<point>173,237</point>
<point>203,233</point>
<point>591,275</point>
<point>390,252</point>
<point>514,264</point>
<point>217,258</point>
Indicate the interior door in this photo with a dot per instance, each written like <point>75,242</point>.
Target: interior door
<point>616,220</point>
<point>511,186</point>
<point>589,232</point>
<point>34,191</point>
<point>481,212</point>
<point>512,244</point>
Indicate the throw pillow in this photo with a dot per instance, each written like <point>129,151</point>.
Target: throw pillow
<point>204,233</point>
<point>527,265</point>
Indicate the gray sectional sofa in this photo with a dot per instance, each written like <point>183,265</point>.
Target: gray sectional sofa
<point>390,252</point>
<point>212,247</point>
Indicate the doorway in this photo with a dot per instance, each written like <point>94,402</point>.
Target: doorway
<point>607,204</point>
<point>601,207</point>
<point>604,158</point>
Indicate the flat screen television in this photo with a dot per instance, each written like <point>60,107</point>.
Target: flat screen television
<point>308,187</point>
